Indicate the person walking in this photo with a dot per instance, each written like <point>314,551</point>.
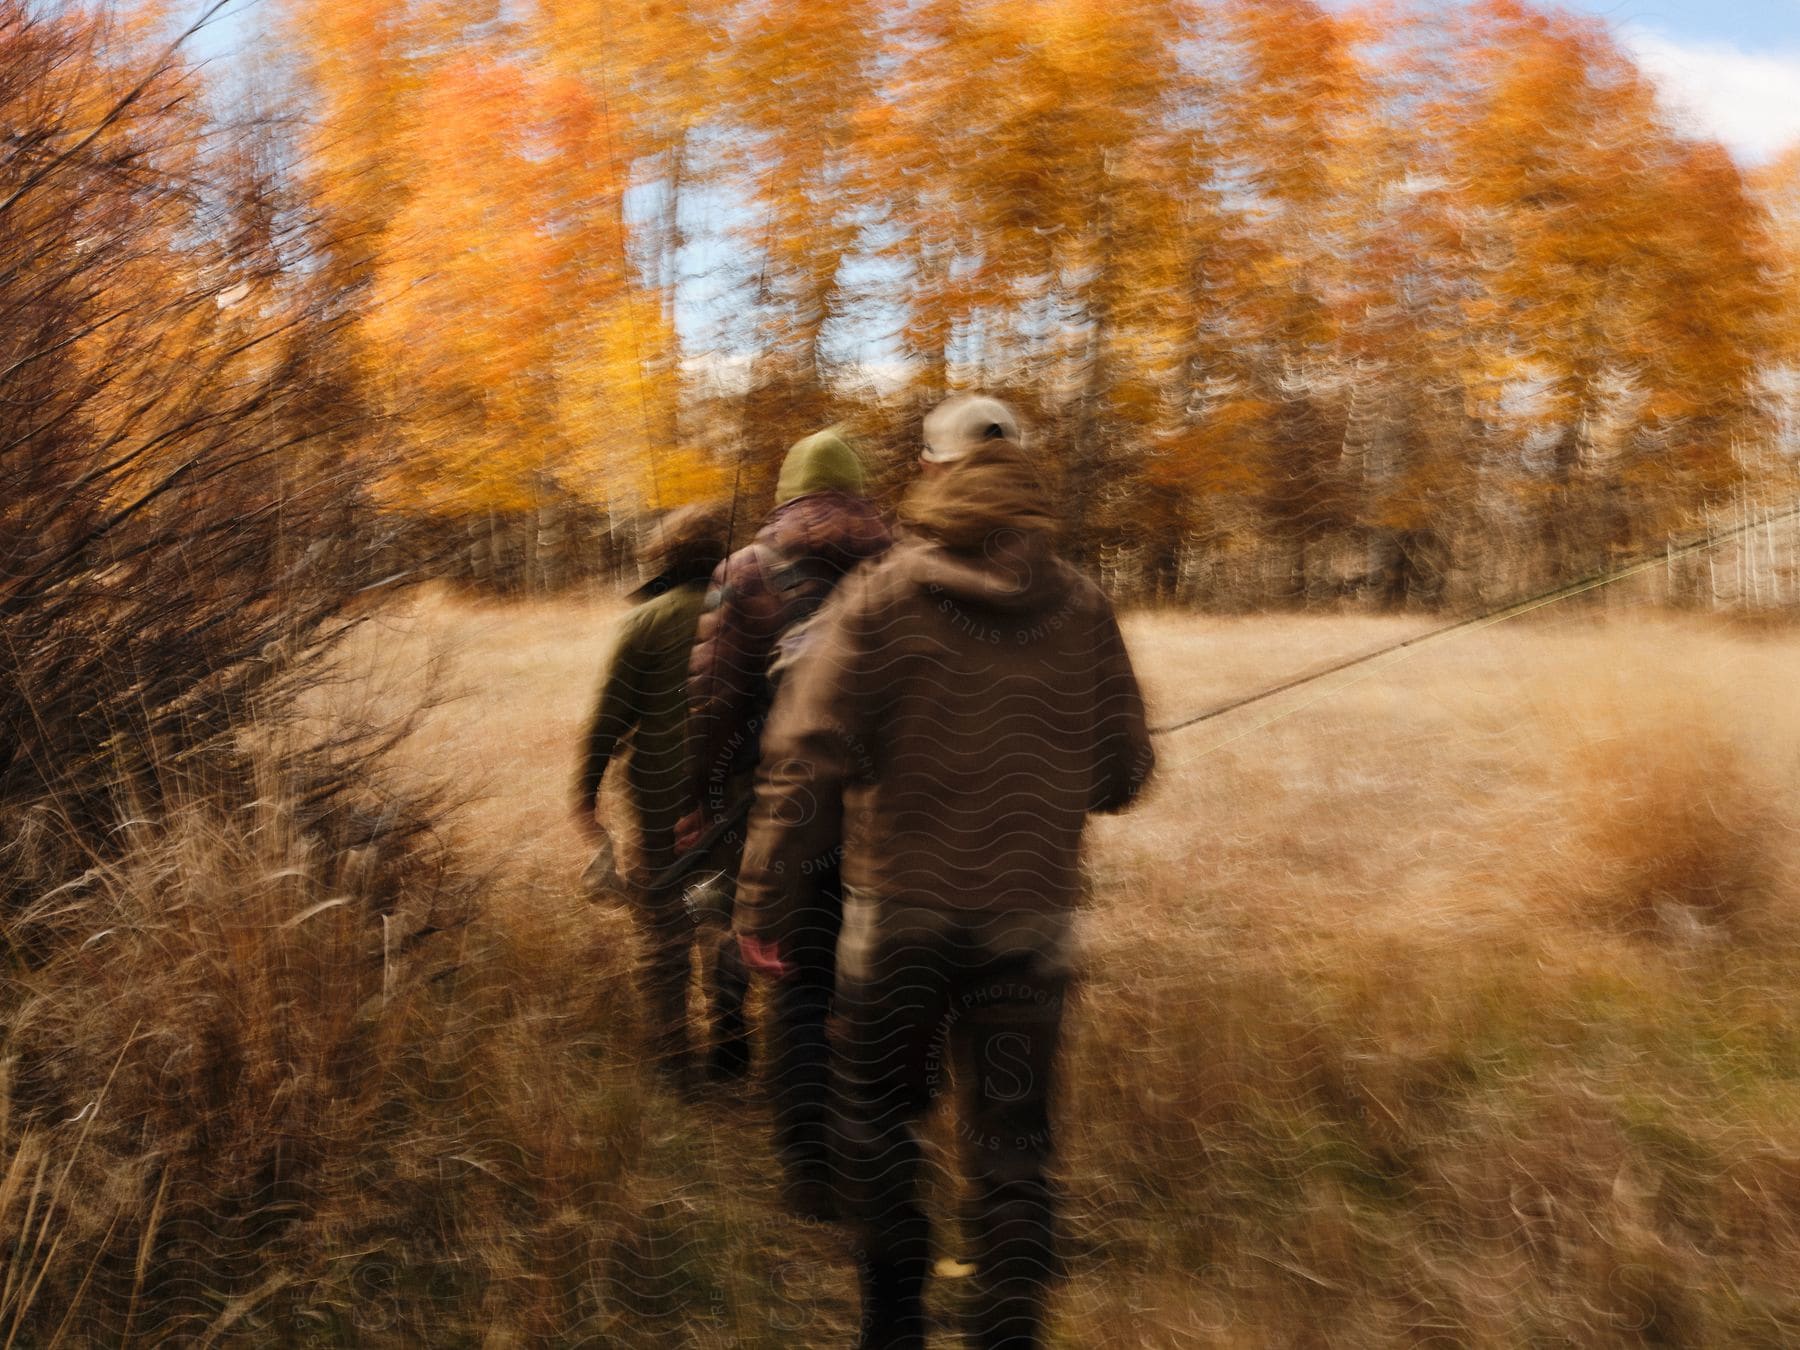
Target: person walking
<point>822,527</point>
<point>958,711</point>
<point>642,712</point>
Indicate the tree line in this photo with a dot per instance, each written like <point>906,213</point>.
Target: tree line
<point>1398,305</point>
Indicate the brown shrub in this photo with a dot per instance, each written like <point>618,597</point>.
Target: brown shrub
<point>174,489</point>
<point>1676,811</point>
<point>270,1092</point>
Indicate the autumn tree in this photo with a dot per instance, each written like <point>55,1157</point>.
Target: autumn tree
<point>522,357</point>
<point>1306,303</point>
<point>1606,246</point>
<point>631,90</point>
<point>175,546</point>
<point>1777,188</point>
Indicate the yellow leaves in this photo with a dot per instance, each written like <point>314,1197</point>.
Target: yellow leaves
<point>612,412</point>
<point>459,304</point>
<point>479,193</point>
<point>1266,238</point>
<point>1303,85</point>
<point>1626,297</point>
<point>653,64</point>
<point>1776,187</point>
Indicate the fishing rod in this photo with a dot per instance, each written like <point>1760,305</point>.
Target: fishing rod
<point>1486,618</point>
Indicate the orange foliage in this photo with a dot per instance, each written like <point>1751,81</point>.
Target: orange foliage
<point>1262,268</point>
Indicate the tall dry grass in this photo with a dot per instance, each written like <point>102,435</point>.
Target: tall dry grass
<point>1458,1008</point>
<point>279,1094</point>
<point>330,1066</point>
<point>1455,1008</point>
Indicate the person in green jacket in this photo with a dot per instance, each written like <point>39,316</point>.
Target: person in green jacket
<point>642,708</point>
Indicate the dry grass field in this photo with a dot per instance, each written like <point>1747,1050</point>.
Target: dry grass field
<point>1453,1001</point>
<point>1449,1001</point>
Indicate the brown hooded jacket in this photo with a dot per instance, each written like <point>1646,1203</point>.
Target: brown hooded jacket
<point>959,708</point>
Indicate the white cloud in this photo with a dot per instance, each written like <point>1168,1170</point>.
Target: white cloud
<point>1750,101</point>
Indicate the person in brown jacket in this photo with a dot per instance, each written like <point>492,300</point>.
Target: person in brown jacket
<point>961,707</point>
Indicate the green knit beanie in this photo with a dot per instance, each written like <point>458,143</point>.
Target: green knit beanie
<point>822,461</point>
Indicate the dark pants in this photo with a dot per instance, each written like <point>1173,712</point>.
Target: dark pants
<point>799,1061</point>
<point>799,1075</point>
<point>799,1072</point>
<point>672,929</point>
<point>665,967</point>
<point>924,996</point>
<point>727,989</point>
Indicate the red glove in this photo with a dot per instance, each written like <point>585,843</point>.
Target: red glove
<point>763,956</point>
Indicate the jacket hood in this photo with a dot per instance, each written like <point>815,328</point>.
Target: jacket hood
<point>991,519</point>
<point>823,461</point>
<point>1016,574</point>
<point>994,489</point>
